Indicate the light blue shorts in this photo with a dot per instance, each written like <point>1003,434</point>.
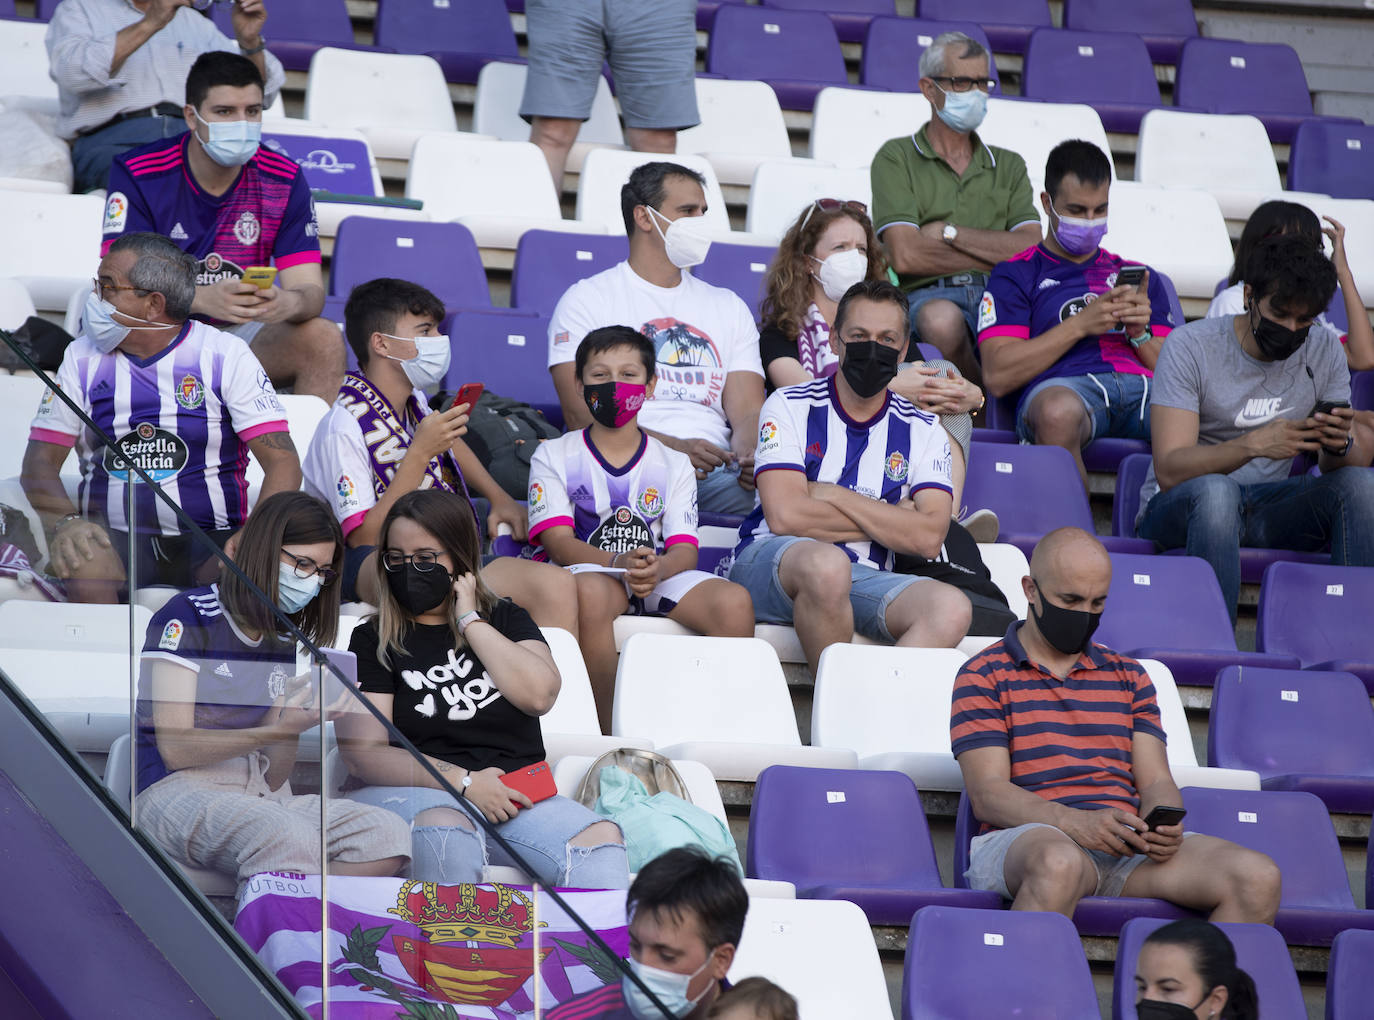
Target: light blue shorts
<point>1118,404</point>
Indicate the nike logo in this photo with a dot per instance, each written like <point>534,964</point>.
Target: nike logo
<point>1257,411</point>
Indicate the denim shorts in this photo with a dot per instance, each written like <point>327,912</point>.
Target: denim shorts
<point>871,590</point>
<point>967,296</point>
<point>1118,404</point>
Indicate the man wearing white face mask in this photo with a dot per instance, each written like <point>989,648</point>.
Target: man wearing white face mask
<point>194,441</point>
<point>234,205</point>
<point>710,377</point>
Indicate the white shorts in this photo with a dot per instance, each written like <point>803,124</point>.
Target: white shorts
<point>668,593</point>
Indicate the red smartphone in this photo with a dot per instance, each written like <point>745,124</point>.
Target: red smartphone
<point>467,394</point>
<point>534,781</point>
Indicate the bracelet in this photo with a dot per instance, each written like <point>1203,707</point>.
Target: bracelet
<point>464,783</point>
<point>468,619</point>
<point>65,519</point>
<point>262,45</point>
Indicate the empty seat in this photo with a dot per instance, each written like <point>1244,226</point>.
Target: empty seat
<point>1008,23</point>
<point>440,256</point>
<point>893,48</point>
<point>1226,155</point>
<point>722,701</point>
<point>796,52</point>
<point>1183,233</point>
<point>1179,747</point>
<point>849,126</point>
<point>1032,129</point>
<point>24,71</point>
<point>1228,76</point>
<point>1110,71</point>
<point>461,35</point>
<point>548,263</point>
<point>994,963</point>
<point>496,112</point>
<point>1350,975</point>
<point>72,626</point>
<point>739,267</point>
<point>850,17</point>
<point>1333,159</point>
<point>303,414</point>
<point>1163,25</point>
<point>1319,613</point>
<point>741,127</point>
<point>782,190</point>
<point>1358,217</point>
<point>84,694</point>
<point>299,28</point>
<point>508,351</point>
<point>19,397</point>
<point>15,308</point>
<point>570,727</point>
<point>392,98</point>
<point>61,247</point>
<point>606,171</point>
<point>1299,729</point>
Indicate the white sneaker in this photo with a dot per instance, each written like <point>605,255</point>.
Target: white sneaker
<point>983,525</point>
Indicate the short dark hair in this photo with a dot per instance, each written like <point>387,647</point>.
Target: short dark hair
<point>871,290</point>
<point>374,307</point>
<point>1082,159</point>
<point>1270,219</point>
<point>220,67</point>
<point>645,187</point>
<point>605,338</point>
<point>1214,959</point>
<point>688,880</point>
<point>1292,274</point>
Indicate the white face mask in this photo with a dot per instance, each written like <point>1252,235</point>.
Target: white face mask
<point>430,364</point>
<point>840,271</point>
<point>669,986</point>
<point>231,142</point>
<point>685,241</point>
<point>101,327</point>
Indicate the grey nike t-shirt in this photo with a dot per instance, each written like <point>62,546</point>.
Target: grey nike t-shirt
<point>1203,369</point>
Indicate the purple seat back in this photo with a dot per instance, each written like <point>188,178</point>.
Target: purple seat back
<point>7,9</point>
<point>43,9</point>
<point>893,48</point>
<point>548,262</point>
<point>1165,602</point>
<point>989,963</point>
<point>1350,973</point>
<point>440,256</point>
<point>1032,489</point>
<point>297,28</point>
<point>1317,612</point>
<point>1130,476</point>
<point>1163,25</point>
<point>1260,952</point>
<point>741,268</point>
<point>851,17</point>
<point>1008,23</point>
<point>341,165</point>
<point>1332,159</point>
<point>508,352</point>
<point>1110,71</point>
<point>797,52</point>
<point>1263,79</point>
<point>1362,390</point>
<point>461,35</point>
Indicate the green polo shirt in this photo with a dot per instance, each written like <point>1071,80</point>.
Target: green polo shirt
<point>913,185</point>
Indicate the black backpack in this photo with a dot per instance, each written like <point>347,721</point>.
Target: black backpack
<point>504,434</point>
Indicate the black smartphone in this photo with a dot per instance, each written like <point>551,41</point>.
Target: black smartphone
<point>1327,406</point>
<point>1130,276</point>
<point>1162,815</point>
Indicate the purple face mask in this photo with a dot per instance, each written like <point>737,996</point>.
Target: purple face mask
<point>614,404</point>
<point>1079,236</point>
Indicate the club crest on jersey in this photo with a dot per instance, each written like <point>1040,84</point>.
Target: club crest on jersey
<point>116,213</point>
<point>171,635</point>
<point>896,466</point>
<point>190,393</point>
<point>214,268</point>
<point>247,228</point>
<point>536,496</point>
<point>987,312</point>
<point>161,454</point>
<point>650,502</point>
<point>1074,305</point>
<point>276,682</point>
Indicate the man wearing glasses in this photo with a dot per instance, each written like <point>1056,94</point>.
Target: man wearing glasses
<point>949,207</point>
<point>184,401</point>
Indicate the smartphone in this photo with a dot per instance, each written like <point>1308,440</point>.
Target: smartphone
<point>1162,815</point>
<point>467,394</point>
<point>1327,406</point>
<point>534,781</point>
<point>1130,276</point>
<point>260,276</point>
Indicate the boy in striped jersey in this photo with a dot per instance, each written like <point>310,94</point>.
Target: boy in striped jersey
<point>1062,751</point>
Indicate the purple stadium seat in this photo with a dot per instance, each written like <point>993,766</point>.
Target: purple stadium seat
<point>706,12</point>
<point>994,963</point>
<point>339,165</point>
<point>1263,79</point>
<point>850,17</point>
<point>43,9</point>
<point>1008,23</point>
<point>1260,952</point>
<point>738,267</point>
<point>1332,159</point>
<point>1362,391</point>
<point>297,28</point>
<point>1170,608</point>
<point>1320,614</point>
<point>1299,729</point>
<point>893,48</point>
<point>462,35</point>
<point>1094,915</point>
<point>7,9</point>
<point>1110,71</point>
<point>440,256</point>
<point>508,351</point>
<point>795,52</point>
<point>846,834</point>
<point>548,262</point>
<point>1105,454</point>
<point>1163,25</point>
<point>1350,974</point>
<point>1295,830</point>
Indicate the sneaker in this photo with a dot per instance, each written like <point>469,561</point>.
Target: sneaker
<point>982,525</point>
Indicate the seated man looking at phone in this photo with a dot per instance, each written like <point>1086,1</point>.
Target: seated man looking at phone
<point>1074,328</point>
<point>1063,756</point>
<point>1236,399</point>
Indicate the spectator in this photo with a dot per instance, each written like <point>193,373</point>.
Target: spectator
<point>441,637</point>
<point>234,205</point>
<point>612,496</point>
<point>686,916</point>
<point>947,205</point>
<point>652,51</point>
<point>182,400</point>
<point>1062,751</point>
<point>849,474</point>
<point>710,378</point>
<point>120,68</point>
<point>830,248</point>
<point>1236,399</point>
<point>754,998</point>
<point>1055,326</point>
<point>1187,971</point>
<point>380,440</point>
<point>219,713</point>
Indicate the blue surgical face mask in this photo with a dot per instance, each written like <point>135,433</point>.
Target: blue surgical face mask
<point>295,593</point>
<point>964,111</point>
<point>103,330</point>
<point>232,142</point>
<point>431,361</point>
<point>669,986</point>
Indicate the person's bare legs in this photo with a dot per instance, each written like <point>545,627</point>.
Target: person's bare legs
<point>1230,882</point>
<point>1045,870</point>
<point>600,599</point>
<point>718,608</point>
<point>929,614</point>
<point>1057,417</point>
<point>651,139</point>
<point>555,137</point>
<point>544,590</point>
<point>942,323</point>
<point>307,357</point>
<point>815,576</point>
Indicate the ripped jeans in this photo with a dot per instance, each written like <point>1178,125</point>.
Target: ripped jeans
<point>541,835</point>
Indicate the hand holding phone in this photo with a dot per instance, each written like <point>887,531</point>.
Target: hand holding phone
<point>534,781</point>
<point>261,277</point>
<point>1163,815</point>
<point>468,393</point>
<point>1327,406</point>
<point>1130,276</point>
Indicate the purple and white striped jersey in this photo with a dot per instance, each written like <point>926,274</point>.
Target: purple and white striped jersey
<point>185,415</point>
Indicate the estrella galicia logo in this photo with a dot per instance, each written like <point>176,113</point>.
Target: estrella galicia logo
<point>158,452</point>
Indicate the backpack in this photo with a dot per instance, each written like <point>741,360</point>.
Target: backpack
<point>656,772</point>
<point>504,433</point>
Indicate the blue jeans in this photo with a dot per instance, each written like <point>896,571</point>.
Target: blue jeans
<point>1212,516</point>
<point>1117,404</point>
<point>967,297</point>
<point>93,153</point>
<point>721,493</point>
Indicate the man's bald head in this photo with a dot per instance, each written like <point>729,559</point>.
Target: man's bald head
<point>1068,549</point>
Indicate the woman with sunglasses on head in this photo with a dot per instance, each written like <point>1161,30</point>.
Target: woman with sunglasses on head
<point>464,676</point>
<point>826,251</point>
<point>220,711</point>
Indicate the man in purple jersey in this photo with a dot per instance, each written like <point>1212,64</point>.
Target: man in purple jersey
<point>184,401</point>
<point>1055,324</point>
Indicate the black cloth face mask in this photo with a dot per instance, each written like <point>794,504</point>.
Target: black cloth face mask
<point>1276,341</point>
<point>418,591</point>
<point>868,367</point>
<point>1067,630</point>
<point>1155,1009</point>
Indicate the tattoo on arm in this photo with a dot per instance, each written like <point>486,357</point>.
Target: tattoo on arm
<point>276,441</point>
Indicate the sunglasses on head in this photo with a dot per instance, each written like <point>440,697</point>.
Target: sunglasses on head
<point>830,205</point>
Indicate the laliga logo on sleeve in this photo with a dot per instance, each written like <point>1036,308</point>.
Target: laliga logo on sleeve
<point>768,432</point>
<point>987,312</point>
<point>116,213</point>
<point>536,496</point>
<point>171,635</point>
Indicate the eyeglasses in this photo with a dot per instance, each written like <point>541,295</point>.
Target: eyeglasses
<point>965,84</point>
<point>425,560</point>
<point>103,290</point>
<point>830,205</point>
<point>306,567</point>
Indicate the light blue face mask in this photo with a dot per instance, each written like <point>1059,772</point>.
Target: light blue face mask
<point>295,593</point>
<point>232,142</point>
<point>101,327</point>
<point>670,987</point>
<point>964,111</point>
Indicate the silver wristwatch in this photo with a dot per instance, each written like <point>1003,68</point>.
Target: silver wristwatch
<point>950,234</point>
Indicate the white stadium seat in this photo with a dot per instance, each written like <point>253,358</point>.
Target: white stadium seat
<point>24,71</point>
<point>741,127</point>
<point>569,773</point>
<point>73,626</point>
<point>850,125</point>
<point>61,244</point>
<point>19,398</point>
<point>392,98</point>
<point>1179,741</point>
<point>1182,233</point>
<point>1357,216</point>
<point>83,694</point>
<point>1008,565</point>
<point>496,112</point>
<point>604,173</point>
<point>303,414</point>
<point>782,190</point>
<point>571,727</point>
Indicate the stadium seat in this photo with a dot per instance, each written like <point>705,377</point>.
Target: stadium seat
<point>1299,729</point>
<point>1163,25</point>
<point>1362,390</point>
<point>548,263</point>
<point>1033,129</point>
<point>1110,71</point>
<point>570,727</point>
<point>61,248</point>
<point>1008,565</point>
<point>1260,952</point>
<point>850,17</point>
<point>1332,159</point>
<point>1008,23</point>
<point>1170,608</point>
<point>508,351</point>
<point>7,9</point>
<point>605,172</point>
<point>24,71</point>
<point>1357,215</point>
<point>849,126</point>
<point>1319,613</point>
<point>462,35</point>
<point>1350,975</point>
<point>741,127</point>
<point>994,963</point>
<point>299,29</point>
<point>782,190</point>
<point>83,693</point>
<point>739,267</point>
<point>392,98</point>
<point>19,398</point>
<point>1179,739</point>
<point>303,414</point>
<point>822,951</point>
<point>796,52</point>
<point>15,308</point>
<point>849,834</point>
<point>893,48</point>
<point>701,785</point>
<point>440,256</point>
<point>1228,76</point>
<point>496,112</point>
<point>722,701</point>
<point>72,626</point>
<point>1182,233</point>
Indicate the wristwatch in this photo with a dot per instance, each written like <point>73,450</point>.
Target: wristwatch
<point>468,619</point>
<point>463,785</point>
<point>950,234</point>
